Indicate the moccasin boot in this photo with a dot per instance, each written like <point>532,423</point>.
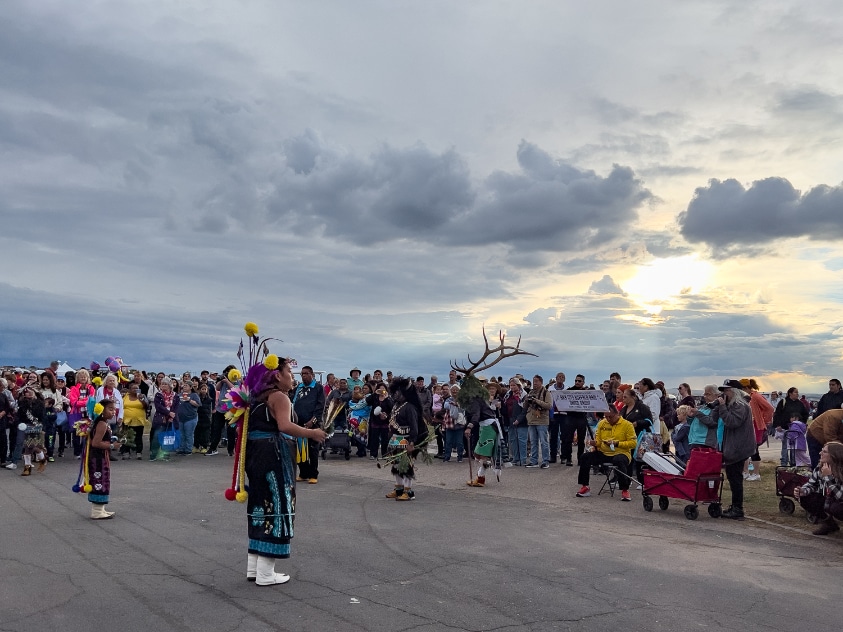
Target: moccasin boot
<point>98,512</point>
<point>266,575</point>
<point>252,566</point>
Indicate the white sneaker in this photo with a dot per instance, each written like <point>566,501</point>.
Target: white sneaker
<point>638,487</point>
<point>11,466</point>
<point>753,477</point>
<point>745,475</point>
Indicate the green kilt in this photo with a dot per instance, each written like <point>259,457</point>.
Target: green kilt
<point>486,443</point>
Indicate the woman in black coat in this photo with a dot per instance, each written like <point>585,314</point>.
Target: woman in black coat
<point>787,409</point>
<point>636,412</point>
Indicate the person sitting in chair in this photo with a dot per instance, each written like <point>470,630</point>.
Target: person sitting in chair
<point>614,440</point>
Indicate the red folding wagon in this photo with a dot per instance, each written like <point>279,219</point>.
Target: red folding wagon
<point>700,483</point>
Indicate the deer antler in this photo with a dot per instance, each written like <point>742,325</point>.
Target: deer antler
<point>505,351</point>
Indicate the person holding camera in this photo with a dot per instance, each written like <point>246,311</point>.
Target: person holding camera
<point>538,404</point>
<point>738,441</point>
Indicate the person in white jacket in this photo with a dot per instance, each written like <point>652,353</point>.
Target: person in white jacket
<point>652,397</point>
<point>110,390</point>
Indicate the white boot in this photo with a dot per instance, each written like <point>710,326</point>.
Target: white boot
<point>252,567</point>
<point>266,575</point>
<point>98,512</point>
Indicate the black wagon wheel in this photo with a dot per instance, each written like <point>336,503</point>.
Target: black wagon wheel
<point>648,503</point>
<point>691,512</point>
<point>664,503</point>
<point>786,506</point>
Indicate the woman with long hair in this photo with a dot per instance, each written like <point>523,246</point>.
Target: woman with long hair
<point>762,415</point>
<point>788,409</point>
<point>686,398</point>
<point>640,416</point>
<point>822,495</point>
<point>50,390</point>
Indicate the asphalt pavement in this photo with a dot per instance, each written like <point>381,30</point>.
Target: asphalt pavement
<point>522,554</point>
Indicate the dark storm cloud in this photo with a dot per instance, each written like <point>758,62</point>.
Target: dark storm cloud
<point>393,194</point>
<point>548,205</point>
<point>725,215</point>
<point>551,205</point>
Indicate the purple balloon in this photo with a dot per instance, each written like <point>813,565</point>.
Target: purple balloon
<point>95,366</point>
<point>114,366</point>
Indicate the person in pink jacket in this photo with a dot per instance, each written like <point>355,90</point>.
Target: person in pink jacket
<point>78,396</point>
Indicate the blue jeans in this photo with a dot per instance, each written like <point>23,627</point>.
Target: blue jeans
<point>518,444</point>
<point>186,430</point>
<point>538,435</point>
<point>814,448</point>
<point>17,449</point>
<point>453,439</point>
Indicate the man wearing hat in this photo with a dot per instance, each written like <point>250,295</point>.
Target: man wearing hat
<point>354,379</point>
<point>738,441</point>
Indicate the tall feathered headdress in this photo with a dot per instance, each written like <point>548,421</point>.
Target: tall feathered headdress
<point>257,368</point>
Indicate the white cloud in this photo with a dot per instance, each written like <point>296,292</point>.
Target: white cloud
<point>356,177</point>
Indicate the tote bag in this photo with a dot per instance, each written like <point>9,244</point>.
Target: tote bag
<point>169,438</point>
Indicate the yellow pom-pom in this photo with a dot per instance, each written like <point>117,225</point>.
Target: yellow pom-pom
<point>87,489</point>
<point>98,408</point>
<point>251,329</point>
<point>271,362</point>
<point>242,497</point>
<point>97,381</point>
<point>234,375</point>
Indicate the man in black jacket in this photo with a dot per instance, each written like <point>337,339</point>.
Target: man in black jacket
<point>308,404</point>
<point>832,399</point>
<point>575,422</point>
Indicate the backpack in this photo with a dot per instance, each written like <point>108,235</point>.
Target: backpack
<point>668,412</point>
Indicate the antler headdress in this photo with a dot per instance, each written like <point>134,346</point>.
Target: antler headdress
<point>471,385</point>
<point>504,350</point>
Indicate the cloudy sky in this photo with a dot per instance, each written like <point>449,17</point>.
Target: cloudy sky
<point>649,187</point>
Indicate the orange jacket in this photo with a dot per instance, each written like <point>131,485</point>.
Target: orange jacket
<point>762,410</point>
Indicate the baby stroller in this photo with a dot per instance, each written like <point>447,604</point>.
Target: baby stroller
<point>701,481</point>
<point>791,476</point>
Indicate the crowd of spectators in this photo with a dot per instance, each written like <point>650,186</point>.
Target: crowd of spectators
<point>41,406</point>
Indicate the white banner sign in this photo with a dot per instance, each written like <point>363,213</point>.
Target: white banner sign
<point>580,401</point>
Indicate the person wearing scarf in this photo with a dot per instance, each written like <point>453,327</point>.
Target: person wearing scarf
<point>308,404</point>
<point>166,405</point>
<point>109,390</point>
<point>79,395</point>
